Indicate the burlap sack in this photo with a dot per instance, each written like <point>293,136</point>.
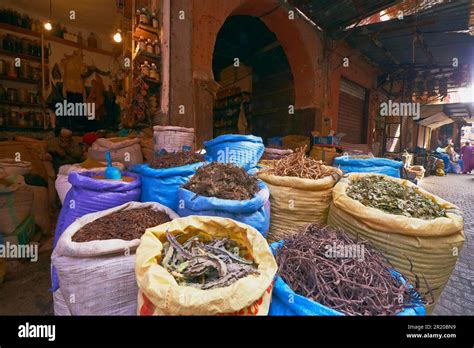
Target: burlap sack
<point>432,246</point>
<point>160,294</point>
<point>296,202</point>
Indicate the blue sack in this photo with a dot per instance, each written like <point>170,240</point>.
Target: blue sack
<point>367,162</point>
<point>242,150</point>
<point>286,302</point>
<point>161,185</point>
<point>390,171</point>
<point>254,212</point>
<point>88,195</point>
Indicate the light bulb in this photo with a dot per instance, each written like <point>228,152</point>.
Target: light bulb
<point>48,26</point>
<point>118,36</point>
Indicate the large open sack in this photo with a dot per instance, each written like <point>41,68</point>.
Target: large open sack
<point>89,195</point>
<point>254,212</point>
<point>14,167</point>
<point>62,183</point>
<point>161,185</point>
<point>242,150</point>
<point>296,201</point>
<point>16,202</point>
<point>432,246</point>
<point>172,139</point>
<point>160,294</point>
<point>98,277</point>
<point>125,150</point>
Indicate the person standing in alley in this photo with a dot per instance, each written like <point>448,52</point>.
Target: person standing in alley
<point>467,158</point>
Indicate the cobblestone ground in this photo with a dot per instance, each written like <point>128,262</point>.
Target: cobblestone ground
<point>458,296</point>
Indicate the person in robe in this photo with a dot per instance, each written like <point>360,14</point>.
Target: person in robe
<point>467,157</point>
<point>64,150</point>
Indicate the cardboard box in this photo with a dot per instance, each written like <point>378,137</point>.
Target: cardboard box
<point>329,140</point>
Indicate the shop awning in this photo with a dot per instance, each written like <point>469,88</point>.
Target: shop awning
<point>435,121</point>
<point>333,15</point>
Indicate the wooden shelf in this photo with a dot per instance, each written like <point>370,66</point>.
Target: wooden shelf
<point>21,104</point>
<point>16,128</point>
<point>147,54</point>
<point>48,37</point>
<point>145,31</point>
<point>152,81</point>
<point>20,80</point>
<point>21,55</point>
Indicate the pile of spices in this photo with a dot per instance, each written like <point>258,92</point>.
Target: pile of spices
<point>205,265</point>
<point>178,159</point>
<point>223,180</point>
<point>123,178</point>
<point>126,225</point>
<point>394,198</point>
<point>329,267</point>
<point>300,166</point>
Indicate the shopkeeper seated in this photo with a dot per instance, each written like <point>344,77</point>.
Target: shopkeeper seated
<point>64,150</point>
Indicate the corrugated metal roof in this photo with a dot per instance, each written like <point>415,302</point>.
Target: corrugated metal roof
<point>332,15</point>
<point>443,30</point>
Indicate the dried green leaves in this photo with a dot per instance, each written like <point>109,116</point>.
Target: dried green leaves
<point>394,198</point>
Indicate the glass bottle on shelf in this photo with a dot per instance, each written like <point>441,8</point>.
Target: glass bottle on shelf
<point>144,17</point>
<point>137,17</point>
<point>154,20</point>
<point>145,68</point>
<point>156,46</point>
<point>142,43</point>
<point>149,46</point>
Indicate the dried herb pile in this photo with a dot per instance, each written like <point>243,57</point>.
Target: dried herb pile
<point>205,265</point>
<point>223,180</point>
<point>126,225</point>
<point>361,285</point>
<point>178,159</point>
<point>394,198</point>
<point>300,166</point>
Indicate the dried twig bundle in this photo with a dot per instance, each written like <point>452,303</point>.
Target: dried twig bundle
<point>314,264</point>
<point>300,166</point>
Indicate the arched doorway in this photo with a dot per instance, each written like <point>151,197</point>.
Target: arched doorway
<point>252,67</point>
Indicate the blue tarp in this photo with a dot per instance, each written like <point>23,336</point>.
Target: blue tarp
<point>368,165</point>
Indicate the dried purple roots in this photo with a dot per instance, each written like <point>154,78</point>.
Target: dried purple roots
<point>351,285</point>
<point>203,265</point>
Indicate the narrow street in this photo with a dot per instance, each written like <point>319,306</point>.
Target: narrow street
<point>458,296</point>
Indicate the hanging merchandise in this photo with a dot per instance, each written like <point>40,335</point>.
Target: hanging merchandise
<point>91,250</point>
<point>420,234</point>
<point>167,285</point>
<point>226,190</point>
<point>300,192</point>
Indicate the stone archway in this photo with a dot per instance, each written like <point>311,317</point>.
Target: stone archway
<point>297,37</point>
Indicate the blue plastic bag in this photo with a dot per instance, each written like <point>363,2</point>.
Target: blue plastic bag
<point>88,195</point>
<point>161,185</point>
<point>390,171</point>
<point>242,150</point>
<point>286,302</point>
<point>386,166</point>
<point>254,212</point>
<point>367,162</point>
